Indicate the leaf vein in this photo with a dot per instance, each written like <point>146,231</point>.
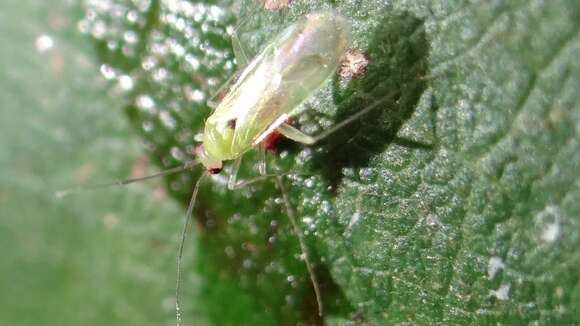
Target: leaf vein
<point>528,92</point>
<point>482,39</point>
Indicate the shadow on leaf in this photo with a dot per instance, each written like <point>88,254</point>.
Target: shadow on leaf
<point>398,62</point>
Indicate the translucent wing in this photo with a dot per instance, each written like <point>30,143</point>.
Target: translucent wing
<point>293,66</point>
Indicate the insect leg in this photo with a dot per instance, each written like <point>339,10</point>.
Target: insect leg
<point>233,182</point>
<point>244,183</point>
<point>296,135</point>
<point>214,100</point>
<point>240,52</point>
<point>233,179</point>
<point>303,246</point>
<point>295,227</point>
<point>242,60</point>
<point>262,160</point>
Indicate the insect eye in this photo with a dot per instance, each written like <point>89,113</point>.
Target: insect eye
<point>232,123</point>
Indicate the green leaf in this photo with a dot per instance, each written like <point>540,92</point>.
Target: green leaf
<point>93,258</point>
<point>454,202</point>
<point>482,227</point>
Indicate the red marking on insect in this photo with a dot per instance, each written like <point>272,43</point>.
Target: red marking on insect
<point>273,138</point>
<point>198,149</point>
<point>214,170</point>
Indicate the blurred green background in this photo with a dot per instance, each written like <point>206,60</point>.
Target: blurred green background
<point>458,202</point>
<point>100,258</point>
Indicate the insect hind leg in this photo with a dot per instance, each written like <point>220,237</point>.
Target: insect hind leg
<point>296,135</point>
<point>302,242</point>
<point>233,184</point>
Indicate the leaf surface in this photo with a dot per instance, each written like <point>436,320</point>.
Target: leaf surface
<point>456,201</point>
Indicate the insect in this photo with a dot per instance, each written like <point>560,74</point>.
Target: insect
<point>267,92</point>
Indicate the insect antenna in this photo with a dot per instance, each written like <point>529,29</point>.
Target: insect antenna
<point>186,223</point>
<point>303,247</point>
<point>91,187</point>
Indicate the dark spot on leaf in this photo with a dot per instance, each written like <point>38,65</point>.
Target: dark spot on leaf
<point>274,5</point>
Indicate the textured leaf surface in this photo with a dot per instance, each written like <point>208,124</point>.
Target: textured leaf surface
<point>455,202</point>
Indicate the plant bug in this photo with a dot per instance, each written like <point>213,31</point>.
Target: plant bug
<point>266,93</point>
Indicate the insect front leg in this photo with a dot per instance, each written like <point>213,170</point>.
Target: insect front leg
<point>234,183</point>
<point>233,179</point>
<point>262,168</point>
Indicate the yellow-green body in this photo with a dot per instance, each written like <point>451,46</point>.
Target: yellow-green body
<point>288,70</point>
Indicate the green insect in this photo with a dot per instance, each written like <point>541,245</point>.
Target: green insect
<point>269,90</point>
<point>287,71</point>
